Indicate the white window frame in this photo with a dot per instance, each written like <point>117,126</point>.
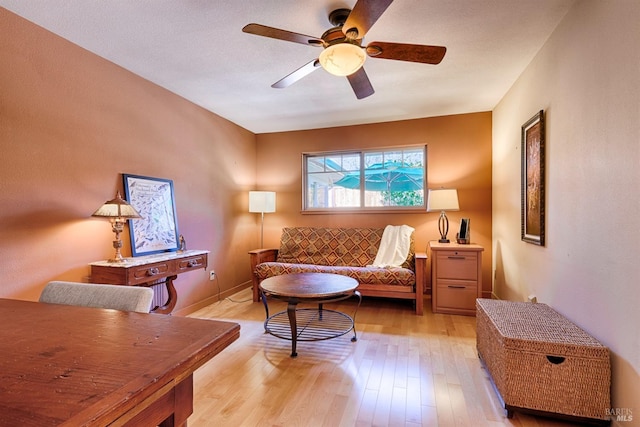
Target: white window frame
<point>346,168</point>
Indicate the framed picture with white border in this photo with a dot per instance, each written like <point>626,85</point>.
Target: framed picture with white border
<point>157,230</point>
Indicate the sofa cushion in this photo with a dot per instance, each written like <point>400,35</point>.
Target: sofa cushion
<point>355,247</point>
<point>364,275</point>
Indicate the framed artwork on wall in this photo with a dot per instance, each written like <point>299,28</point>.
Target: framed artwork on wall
<point>533,186</point>
<point>157,230</point>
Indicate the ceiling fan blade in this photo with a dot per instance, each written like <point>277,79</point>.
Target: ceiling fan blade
<point>276,33</point>
<point>363,15</point>
<point>360,84</point>
<point>407,52</point>
<point>301,72</point>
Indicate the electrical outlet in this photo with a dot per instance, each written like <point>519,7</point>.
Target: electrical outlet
<point>212,275</point>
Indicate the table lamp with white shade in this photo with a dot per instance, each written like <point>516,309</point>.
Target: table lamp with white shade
<point>443,199</point>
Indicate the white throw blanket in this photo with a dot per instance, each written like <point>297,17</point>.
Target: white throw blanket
<point>394,246</point>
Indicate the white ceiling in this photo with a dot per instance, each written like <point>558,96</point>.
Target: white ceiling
<point>196,49</point>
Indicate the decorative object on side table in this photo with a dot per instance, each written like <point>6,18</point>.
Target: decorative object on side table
<point>443,199</point>
<point>183,244</point>
<point>153,198</point>
<point>262,202</point>
<point>533,186</point>
<point>118,211</point>
<point>463,237</point>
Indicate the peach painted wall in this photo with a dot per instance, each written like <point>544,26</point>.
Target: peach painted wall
<point>70,124</point>
<point>458,156</point>
<point>587,79</point>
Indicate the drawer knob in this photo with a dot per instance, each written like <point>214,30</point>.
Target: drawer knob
<point>456,287</point>
<point>192,263</point>
<point>153,271</point>
<point>456,257</point>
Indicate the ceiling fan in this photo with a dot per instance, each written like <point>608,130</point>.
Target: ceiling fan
<point>343,53</point>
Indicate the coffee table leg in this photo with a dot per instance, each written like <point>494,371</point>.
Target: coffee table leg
<point>355,337</point>
<point>263,297</point>
<point>291,312</point>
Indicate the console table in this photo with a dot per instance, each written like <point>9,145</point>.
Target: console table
<point>150,270</point>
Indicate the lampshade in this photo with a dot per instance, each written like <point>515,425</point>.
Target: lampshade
<point>443,199</point>
<point>117,208</point>
<point>262,201</point>
<point>342,59</point>
<point>118,211</point>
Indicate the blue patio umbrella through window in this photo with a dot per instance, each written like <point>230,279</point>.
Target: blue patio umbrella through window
<point>388,176</point>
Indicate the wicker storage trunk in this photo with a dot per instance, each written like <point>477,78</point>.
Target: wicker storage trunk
<point>541,362</point>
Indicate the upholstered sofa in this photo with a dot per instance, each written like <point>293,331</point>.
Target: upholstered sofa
<point>346,251</point>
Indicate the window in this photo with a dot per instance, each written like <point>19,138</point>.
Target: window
<point>393,179</point>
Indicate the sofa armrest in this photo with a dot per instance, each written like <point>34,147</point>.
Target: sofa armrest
<point>258,256</point>
<point>263,255</point>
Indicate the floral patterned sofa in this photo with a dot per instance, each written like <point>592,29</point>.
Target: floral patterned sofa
<point>346,251</point>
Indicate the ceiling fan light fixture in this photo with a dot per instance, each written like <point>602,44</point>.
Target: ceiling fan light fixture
<point>342,59</point>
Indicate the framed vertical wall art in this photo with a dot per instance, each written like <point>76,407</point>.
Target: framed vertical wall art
<point>533,160</point>
<point>157,230</point>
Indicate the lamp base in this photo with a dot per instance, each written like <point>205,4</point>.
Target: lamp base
<point>443,227</point>
<point>117,244</point>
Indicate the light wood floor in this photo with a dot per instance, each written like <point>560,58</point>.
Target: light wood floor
<point>404,370</point>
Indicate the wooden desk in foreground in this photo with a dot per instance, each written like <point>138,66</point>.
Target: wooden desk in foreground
<point>78,366</point>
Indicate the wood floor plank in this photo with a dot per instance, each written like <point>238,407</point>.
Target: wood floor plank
<point>404,370</point>
<point>367,407</point>
<point>398,407</point>
<point>356,394</point>
<point>413,401</point>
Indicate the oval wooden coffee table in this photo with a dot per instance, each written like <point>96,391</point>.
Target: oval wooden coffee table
<point>309,324</point>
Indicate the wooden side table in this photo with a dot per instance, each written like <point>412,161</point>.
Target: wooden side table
<point>456,277</point>
<point>150,270</point>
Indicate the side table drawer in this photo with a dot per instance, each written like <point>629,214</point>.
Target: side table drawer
<point>453,294</point>
<point>150,272</point>
<point>457,265</point>
<point>192,263</point>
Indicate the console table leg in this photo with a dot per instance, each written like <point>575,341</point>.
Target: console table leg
<point>291,312</point>
<point>172,300</point>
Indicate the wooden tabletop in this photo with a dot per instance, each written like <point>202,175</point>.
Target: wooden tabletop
<point>309,285</point>
<point>78,366</point>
